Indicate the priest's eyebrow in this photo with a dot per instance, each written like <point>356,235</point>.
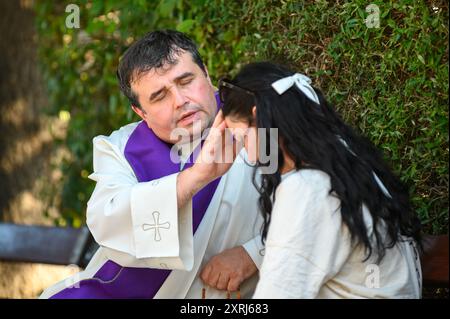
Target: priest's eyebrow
<point>178,79</point>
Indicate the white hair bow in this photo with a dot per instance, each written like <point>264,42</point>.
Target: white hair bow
<point>301,81</point>
<point>375,176</point>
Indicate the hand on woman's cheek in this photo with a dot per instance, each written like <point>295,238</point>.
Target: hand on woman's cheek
<point>245,135</point>
<point>251,145</point>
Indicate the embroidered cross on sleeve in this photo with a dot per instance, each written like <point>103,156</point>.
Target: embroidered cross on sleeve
<point>156,226</point>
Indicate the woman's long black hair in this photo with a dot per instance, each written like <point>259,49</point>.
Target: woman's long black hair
<point>311,134</point>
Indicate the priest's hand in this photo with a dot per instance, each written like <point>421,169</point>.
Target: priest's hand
<point>218,152</point>
<point>215,159</point>
<point>227,270</point>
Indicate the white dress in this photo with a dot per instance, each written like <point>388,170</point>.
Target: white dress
<point>308,252</point>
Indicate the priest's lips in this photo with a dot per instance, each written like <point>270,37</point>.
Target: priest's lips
<point>189,117</point>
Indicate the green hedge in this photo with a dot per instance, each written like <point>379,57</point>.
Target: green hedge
<point>390,82</point>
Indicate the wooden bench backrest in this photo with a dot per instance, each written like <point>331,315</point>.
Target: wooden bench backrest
<point>42,244</point>
<point>434,261</point>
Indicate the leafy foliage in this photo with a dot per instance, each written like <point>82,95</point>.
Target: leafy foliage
<point>390,82</point>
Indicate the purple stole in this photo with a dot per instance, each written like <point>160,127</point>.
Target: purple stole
<point>150,159</point>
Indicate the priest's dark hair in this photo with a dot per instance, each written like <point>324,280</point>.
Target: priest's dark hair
<point>310,135</point>
<point>153,51</point>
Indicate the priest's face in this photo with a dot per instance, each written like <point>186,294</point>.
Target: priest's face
<point>176,99</point>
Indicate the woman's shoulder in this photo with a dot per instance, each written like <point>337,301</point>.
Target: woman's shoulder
<point>305,179</point>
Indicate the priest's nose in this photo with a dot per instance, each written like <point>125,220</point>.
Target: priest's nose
<point>179,98</point>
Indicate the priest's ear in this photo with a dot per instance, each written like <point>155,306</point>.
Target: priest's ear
<point>140,112</point>
<point>205,71</point>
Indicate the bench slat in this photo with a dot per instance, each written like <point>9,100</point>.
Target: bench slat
<point>434,261</point>
<point>42,244</point>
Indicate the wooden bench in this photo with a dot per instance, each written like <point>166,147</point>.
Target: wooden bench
<point>434,261</point>
<point>46,245</point>
<point>65,246</point>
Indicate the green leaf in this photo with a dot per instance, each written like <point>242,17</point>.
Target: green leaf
<point>421,59</point>
<point>186,25</point>
<point>166,7</point>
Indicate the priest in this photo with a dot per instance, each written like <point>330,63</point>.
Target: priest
<point>170,222</point>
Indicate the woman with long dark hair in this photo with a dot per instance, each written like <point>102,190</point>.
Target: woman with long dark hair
<point>337,222</point>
